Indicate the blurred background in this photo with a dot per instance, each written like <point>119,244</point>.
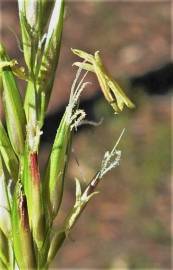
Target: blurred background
<point>128,225</point>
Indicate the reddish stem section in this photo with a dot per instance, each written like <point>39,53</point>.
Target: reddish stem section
<point>34,168</point>
<point>92,185</point>
<point>24,212</point>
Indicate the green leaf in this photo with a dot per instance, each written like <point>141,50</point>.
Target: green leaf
<point>33,190</point>
<point>58,236</point>
<point>2,265</point>
<point>51,53</point>
<point>59,156</point>
<point>8,154</point>
<point>5,223</point>
<point>45,62</point>
<point>57,239</point>
<point>21,233</point>
<point>56,168</point>
<point>26,37</point>
<point>46,8</point>
<point>30,24</point>
<point>15,117</point>
<point>30,103</point>
<point>4,250</point>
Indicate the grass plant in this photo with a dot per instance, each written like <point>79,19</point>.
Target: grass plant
<point>30,201</point>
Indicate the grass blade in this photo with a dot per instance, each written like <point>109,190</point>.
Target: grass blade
<point>4,250</point>
<point>14,113</point>
<point>5,223</point>
<point>8,154</point>
<point>51,52</point>
<point>56,168</point>
<point>22,238</point>
<point>33,190</point>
